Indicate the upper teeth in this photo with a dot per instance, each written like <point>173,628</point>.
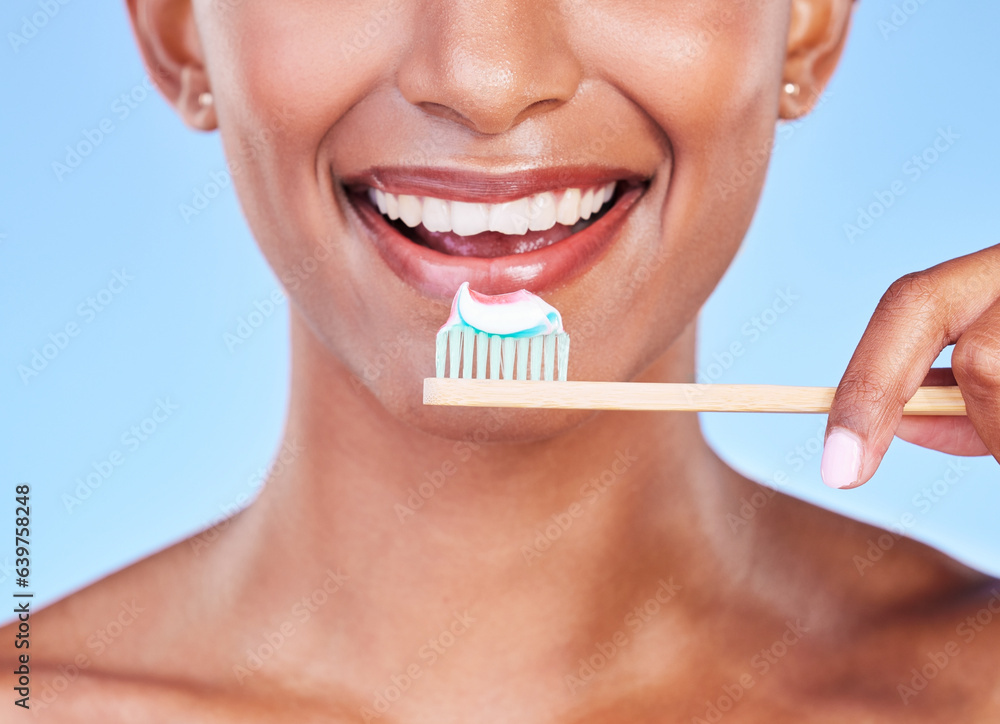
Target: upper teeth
<point>531,213</point>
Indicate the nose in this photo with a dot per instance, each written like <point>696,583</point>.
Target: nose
<point>489,64</point>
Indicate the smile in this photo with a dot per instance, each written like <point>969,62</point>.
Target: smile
<point>441,220</point>
<point>437,228</point>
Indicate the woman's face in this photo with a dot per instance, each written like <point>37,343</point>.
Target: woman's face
<point>478,101</point>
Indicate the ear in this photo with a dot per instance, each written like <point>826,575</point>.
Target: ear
<point>817,32</point>
<point>171,50</point>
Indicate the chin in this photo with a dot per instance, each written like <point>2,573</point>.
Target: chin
<point>400,394</point>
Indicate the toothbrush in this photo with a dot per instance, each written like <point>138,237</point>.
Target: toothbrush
<point>506,329</point>
<point>502,351</point>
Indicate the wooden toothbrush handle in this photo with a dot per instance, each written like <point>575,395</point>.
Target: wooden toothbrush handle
<point>663,396</point>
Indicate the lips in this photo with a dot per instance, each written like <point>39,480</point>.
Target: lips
<point>545,254</point>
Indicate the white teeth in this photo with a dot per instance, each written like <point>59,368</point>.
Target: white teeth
<point>437,215</point>
<point>410,209</point>
<point>587,204</point>
<point>598,199</point>
<point>538,212</point>
<point>510,217</point>
<point>380,200</point>
<point>568,211</point>
<point>609,191</point>
<point>542,212</point>
<point>468,219</point>
<point>392,206</point>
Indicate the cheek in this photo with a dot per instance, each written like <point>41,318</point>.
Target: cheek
<point>709,79</point>
<point>708,76</point>
<point>286,74</point>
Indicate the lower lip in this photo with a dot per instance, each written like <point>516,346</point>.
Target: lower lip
<point>439,275</point>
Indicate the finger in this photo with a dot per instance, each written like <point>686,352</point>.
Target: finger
<point>950,435</point>
<point>918,316</point>
<point>976,364</point>
<point>954,435</point>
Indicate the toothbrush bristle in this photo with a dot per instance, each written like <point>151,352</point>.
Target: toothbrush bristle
<point>549,357</point>
<point>468,339</point>
<point>482,345</point>
<point>441,353</point>
<point>494,357</point>
<point>536,357</point>
<point>507,347</point>
<point>462,351</point>
<point>522,358</point>
<point>562,340</point>
<point>454,351</point>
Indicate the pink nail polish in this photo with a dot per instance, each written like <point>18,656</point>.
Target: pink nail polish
<point>841,464</point>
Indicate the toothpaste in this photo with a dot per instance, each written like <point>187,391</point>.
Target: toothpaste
<point>517,314</point>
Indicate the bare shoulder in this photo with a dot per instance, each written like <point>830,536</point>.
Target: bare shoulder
<point>846,558</point>
<point>933,660</point>
<point>121,699</point>
<point>147,628</point>
<point>99,620</point>
<point>914,628</point>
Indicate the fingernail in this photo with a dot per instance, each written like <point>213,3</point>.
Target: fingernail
<point>841,464</point>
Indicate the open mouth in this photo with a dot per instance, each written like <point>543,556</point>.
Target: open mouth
<point>436,228</point>
<point>461,228</point>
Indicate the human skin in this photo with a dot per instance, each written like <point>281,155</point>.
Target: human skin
<point>696,88</point>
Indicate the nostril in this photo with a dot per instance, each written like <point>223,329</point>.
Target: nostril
<point>442,111</point>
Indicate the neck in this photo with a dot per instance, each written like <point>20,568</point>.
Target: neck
<point>422,526</point>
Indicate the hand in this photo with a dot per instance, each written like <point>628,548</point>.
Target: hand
<point>956,302</point>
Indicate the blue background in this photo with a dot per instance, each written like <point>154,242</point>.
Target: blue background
<point>62,237</point>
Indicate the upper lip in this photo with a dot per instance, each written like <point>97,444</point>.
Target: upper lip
<point>480,187</point>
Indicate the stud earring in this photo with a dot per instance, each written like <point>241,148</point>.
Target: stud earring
<point>791,89</point>
<point>205,99</point>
